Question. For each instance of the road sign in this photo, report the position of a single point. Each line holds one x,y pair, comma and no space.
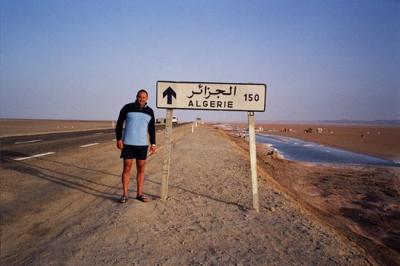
211,96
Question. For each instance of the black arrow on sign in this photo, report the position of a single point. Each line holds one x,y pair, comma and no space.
169,92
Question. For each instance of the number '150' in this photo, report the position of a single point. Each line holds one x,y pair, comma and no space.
251,97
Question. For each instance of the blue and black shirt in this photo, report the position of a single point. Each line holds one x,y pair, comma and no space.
138,122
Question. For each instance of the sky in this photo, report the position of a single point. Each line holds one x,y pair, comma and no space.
321,60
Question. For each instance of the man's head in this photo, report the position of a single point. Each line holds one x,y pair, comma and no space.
141,98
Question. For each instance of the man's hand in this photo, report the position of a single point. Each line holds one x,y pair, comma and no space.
153,149
120,144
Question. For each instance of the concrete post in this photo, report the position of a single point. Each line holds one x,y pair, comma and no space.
253,160
167,155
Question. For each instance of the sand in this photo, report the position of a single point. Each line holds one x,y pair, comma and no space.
20,127
73,217
377,140
360,202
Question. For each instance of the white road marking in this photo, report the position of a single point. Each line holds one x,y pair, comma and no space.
114,140
88,145
28,141
34,156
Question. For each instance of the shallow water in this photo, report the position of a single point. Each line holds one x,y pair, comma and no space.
299,150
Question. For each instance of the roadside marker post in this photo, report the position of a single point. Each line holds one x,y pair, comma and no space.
249,97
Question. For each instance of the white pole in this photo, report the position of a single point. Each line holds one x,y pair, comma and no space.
253,160
167,155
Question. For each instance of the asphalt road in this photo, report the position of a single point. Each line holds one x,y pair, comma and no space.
24,147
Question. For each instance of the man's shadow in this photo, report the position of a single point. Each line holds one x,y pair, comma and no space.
63,179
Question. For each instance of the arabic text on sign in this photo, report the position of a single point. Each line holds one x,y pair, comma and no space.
207,92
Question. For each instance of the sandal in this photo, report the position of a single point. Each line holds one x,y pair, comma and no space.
142,198
123,199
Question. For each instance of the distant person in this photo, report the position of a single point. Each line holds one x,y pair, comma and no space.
139,120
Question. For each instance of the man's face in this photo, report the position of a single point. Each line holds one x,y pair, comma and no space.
142,99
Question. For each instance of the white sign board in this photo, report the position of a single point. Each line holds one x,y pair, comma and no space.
211,96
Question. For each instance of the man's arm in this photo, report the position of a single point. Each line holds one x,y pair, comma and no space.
152,134
119,127
152,129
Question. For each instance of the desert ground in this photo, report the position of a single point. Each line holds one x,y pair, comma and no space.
19,127
376,140
361,202
63,210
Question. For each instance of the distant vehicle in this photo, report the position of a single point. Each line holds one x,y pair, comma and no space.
199,120
174,121
164,121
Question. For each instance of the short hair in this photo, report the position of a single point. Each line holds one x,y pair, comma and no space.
140,91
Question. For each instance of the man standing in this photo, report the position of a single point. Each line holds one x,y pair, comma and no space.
139,120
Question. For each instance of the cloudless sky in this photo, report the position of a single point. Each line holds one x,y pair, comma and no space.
85,59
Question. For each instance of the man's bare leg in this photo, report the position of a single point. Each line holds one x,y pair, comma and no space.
140,165
126,174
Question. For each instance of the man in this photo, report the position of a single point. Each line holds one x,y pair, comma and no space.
139,120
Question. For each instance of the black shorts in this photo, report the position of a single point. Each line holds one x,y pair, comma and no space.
134,152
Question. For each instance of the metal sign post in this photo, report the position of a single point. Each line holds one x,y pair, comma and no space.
253,159
167,155
248,97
